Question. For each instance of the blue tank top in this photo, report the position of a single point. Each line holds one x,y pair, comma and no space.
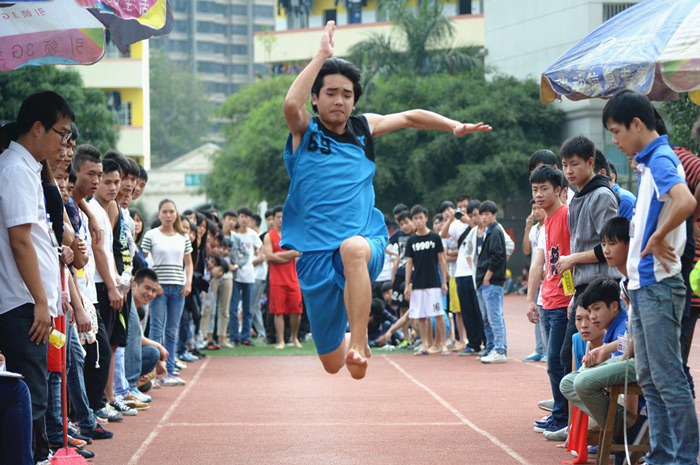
331,196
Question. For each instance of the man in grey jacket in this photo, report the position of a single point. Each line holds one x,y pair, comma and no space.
589,210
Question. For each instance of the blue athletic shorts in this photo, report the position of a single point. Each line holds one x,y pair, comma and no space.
322,282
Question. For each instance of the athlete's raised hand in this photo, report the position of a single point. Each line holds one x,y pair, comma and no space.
468,128
326,48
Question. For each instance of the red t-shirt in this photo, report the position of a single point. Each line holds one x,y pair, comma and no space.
557,243
282,274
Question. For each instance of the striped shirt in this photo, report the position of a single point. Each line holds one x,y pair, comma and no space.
168,254
691,166
659,171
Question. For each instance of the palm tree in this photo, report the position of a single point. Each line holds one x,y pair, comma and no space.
424,45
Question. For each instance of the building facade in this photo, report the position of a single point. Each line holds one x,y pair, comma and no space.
214,38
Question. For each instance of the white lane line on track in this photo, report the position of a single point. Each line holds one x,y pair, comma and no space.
535,364
319,425
463,420
144,445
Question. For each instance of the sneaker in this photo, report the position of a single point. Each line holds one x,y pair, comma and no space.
546,405
72,432
99,433
494,357
534,357
541,427
72,443
543,359
229,344
467,352
109,413
248,343
179,365
197,353
173,380
86,454
187,357
483,353
559,436
122,408
132,402
212,346
141,397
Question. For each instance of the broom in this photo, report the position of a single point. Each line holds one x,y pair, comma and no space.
65,455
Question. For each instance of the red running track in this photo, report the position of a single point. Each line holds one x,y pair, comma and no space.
408,410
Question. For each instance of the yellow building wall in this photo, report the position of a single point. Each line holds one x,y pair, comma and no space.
137,50
135,97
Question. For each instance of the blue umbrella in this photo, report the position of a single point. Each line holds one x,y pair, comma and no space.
652,47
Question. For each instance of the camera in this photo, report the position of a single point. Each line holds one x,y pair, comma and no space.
459,213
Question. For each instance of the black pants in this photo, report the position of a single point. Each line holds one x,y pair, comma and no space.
566,348
96,370
687,331
471,314
26,357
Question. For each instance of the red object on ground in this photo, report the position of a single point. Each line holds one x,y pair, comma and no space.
578,437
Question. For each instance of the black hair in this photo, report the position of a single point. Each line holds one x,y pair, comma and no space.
109,165
660,124
257,219
532,202
226,243
543,157
461,197
211,227
85,153
143,174
437,217
145,273
268,213
72,177
473,205
613,169
627,105
8,133
580,146
134,212
417,209
377,308
601,290
277,209
579,301
398,208
445,205
228,213
245,211
403,215
386,286
546,173
121,161
616,229
74,133
601,163
46,107
133,167
488,206
335,65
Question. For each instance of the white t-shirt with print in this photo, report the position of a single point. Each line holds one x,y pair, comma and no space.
251,240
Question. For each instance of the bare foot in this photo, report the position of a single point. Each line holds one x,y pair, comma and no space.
280,346
296,343
356,363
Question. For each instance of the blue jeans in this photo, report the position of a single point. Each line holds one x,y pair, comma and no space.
132,354
120,384
54,418
241,292
76,382
656,322
555,322
166,311
491,304
186,333
149,359
15,423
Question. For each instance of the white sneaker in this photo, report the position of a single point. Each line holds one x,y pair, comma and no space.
559,436
494,357
122,408
173,380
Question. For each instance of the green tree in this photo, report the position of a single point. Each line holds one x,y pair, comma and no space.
180,109
97,124
249,168
680,115
422,45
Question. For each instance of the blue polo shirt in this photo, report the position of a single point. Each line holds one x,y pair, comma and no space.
659,171
617,328
627,201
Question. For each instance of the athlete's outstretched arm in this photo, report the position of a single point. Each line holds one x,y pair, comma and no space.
295,103
420,119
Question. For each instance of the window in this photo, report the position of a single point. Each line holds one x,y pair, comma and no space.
239,29
211,7
217,87
208,27
263,11
611,9
239,69
239,49
124,114
239,10
180,5
211,47
178,46
211,67
182,26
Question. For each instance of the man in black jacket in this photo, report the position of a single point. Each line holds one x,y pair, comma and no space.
490,278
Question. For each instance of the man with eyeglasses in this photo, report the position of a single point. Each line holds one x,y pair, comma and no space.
29,262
